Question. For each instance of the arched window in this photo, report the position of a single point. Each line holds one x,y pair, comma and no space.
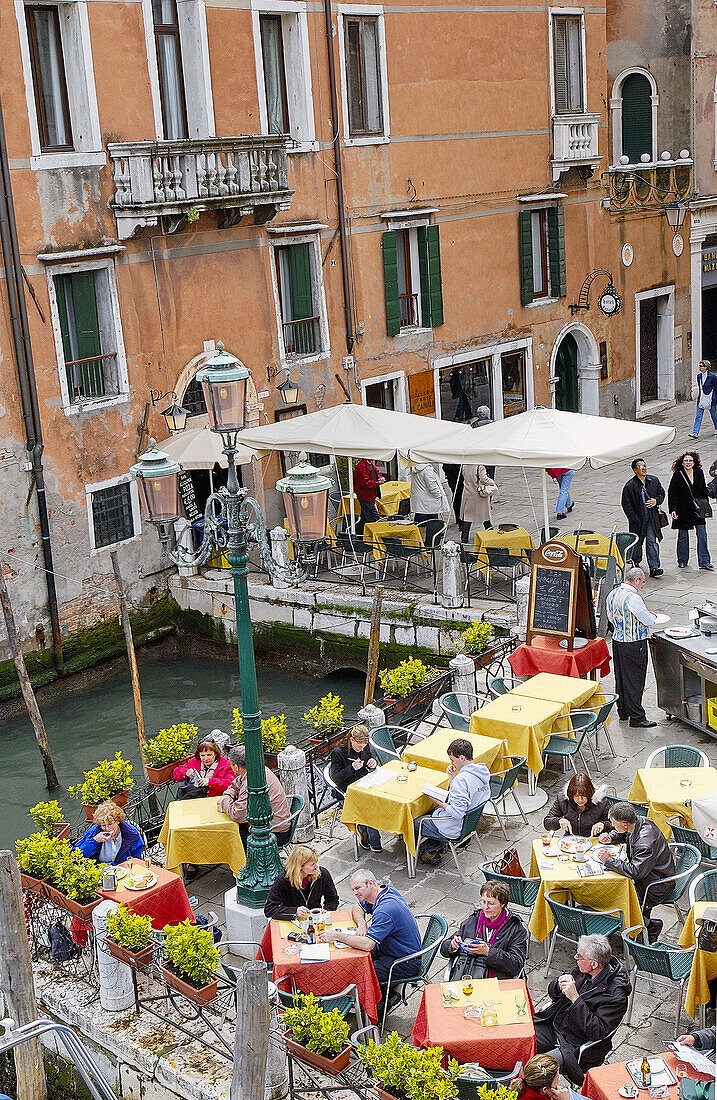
193,400
636,117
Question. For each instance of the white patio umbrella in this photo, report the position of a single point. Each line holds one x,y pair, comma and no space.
546,438
353,431
200,448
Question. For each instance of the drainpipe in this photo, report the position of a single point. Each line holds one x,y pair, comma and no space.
336,142
26,379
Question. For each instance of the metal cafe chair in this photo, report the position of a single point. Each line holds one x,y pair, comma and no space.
661,963
677,756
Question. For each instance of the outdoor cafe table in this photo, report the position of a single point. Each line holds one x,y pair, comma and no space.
392,806
346,966
467,1040
516,542
196,831
407,533
661,789
603,1082
392,493
704,964
432,751
571,691
547,655
600,892
166,902
524,730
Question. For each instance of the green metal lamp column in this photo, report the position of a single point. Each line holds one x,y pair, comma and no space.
262,855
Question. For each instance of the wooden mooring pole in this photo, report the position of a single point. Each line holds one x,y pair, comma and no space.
251,1036
131,657
374,639
16,980
26,687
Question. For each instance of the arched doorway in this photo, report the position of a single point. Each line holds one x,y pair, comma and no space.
566,372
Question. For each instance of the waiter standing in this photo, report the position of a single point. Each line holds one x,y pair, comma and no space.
630,619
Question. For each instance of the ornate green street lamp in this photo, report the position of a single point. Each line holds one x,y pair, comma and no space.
233,523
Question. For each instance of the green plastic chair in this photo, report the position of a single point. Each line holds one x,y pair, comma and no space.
383,745
678,756
295,808
602,713
704,888
450,704
522,891
502,783
468,831
572,922
347,1000
583,722
501,685
434,935
687,860
468,1086
690,836
662,963
639,807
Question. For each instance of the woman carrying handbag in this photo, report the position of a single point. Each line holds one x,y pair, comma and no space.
689,507
475,502
706,396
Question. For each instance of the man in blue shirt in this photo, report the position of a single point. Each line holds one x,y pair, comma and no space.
392,932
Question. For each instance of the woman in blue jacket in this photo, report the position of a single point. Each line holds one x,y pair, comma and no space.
111,839
706,396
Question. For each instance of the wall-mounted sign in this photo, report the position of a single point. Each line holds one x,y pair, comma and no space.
422,393
610,301
709,267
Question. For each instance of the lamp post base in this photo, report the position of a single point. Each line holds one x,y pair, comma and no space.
245,925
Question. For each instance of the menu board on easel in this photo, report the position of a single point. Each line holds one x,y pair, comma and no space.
558,603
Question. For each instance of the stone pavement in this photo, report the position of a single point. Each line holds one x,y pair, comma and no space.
597,497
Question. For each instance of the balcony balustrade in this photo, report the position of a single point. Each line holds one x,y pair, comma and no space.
173,180
575,143
649,183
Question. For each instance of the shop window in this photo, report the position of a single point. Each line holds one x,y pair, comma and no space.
541,235
512,369
464,389
412,278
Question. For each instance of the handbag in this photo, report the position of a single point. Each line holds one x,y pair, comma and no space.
703,508
707,937
663,518
704,400
509,864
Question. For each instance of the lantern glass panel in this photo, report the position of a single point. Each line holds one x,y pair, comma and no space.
159,497
306,514
226,404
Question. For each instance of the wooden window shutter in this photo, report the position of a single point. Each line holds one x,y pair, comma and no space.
560,65
60,283
429,262
84,300
390,283
525,246
636,117
302,304
556,251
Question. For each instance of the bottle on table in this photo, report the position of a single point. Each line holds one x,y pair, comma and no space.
311,930
646,1073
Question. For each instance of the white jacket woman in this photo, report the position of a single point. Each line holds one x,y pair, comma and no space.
428,497
475,503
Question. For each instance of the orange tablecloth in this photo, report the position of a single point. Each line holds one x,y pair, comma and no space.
467,1040
603,1082
346,966
166,902
547,655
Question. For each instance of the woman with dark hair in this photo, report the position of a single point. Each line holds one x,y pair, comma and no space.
689,507
491,942
579,809
206,774
349,762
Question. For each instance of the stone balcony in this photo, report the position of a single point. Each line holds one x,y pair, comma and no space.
575,143
171,182
649,183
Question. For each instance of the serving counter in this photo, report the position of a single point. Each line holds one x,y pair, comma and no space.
686,674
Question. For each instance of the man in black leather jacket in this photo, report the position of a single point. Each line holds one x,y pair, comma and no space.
586,1006
642,496
649,859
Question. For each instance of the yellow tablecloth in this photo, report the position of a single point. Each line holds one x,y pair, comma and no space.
194,831
393,806
601,892
704,964
392,493
432,752
571,691
524,731
595,546
513,541
660,788
375,533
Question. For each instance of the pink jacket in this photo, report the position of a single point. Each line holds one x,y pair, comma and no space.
222,778
233,801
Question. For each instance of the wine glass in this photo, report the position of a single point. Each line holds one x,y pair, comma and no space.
521,1004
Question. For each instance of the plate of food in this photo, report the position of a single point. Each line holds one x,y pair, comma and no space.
121,873
679,632
573,844
140,882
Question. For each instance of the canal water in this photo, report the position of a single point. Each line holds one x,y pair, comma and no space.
87,726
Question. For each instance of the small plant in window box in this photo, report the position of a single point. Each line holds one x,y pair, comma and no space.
190,959
110,779
35,854
48,816
167,749
402,1072
273,735
129,937
476,641
317,1037
326,720
399,682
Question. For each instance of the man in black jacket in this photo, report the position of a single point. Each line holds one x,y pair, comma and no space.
641,497
586,1006
649,859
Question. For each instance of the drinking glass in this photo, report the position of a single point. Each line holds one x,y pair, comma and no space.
521,1004
467,989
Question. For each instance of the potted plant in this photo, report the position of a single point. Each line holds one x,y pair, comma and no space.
400,682
35,853
326,720
110,779
190,959
317,1037
129,937
273,735
475,639
73,881
167,749
48,816
402,1072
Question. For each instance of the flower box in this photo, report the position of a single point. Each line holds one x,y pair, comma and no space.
82,912
327,741
33,885
198,995
136,959
158,776
118,799
61,830
330,1065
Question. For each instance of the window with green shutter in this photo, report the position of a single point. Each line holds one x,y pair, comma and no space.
91,369
390,283
636,117
429,258
300,320
541,254
525,252
412,278
556,251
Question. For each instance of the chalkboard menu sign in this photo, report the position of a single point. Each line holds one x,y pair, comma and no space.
188,496
555,579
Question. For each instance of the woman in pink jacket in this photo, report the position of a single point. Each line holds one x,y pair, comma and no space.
206,774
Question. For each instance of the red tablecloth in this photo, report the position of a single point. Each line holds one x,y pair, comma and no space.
547,655
166,902
603,1082
346,966
467,1040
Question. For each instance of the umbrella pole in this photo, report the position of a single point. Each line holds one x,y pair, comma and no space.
546,517
351,494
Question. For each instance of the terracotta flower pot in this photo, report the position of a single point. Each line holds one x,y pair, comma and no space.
197,994
330,1065
61,830
118,799
33,885
136,959
158,776
82,912
385,1095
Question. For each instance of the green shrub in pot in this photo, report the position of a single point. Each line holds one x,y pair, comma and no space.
128,929
399,682
475,638
46,815
171,745
323,1032
190,952
327,715
273,730
409,1073
107,778
38,853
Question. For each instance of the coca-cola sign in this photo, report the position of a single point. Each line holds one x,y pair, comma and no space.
555,553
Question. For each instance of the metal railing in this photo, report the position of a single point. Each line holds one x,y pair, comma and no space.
408,311
301,337
96,376
97,1084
